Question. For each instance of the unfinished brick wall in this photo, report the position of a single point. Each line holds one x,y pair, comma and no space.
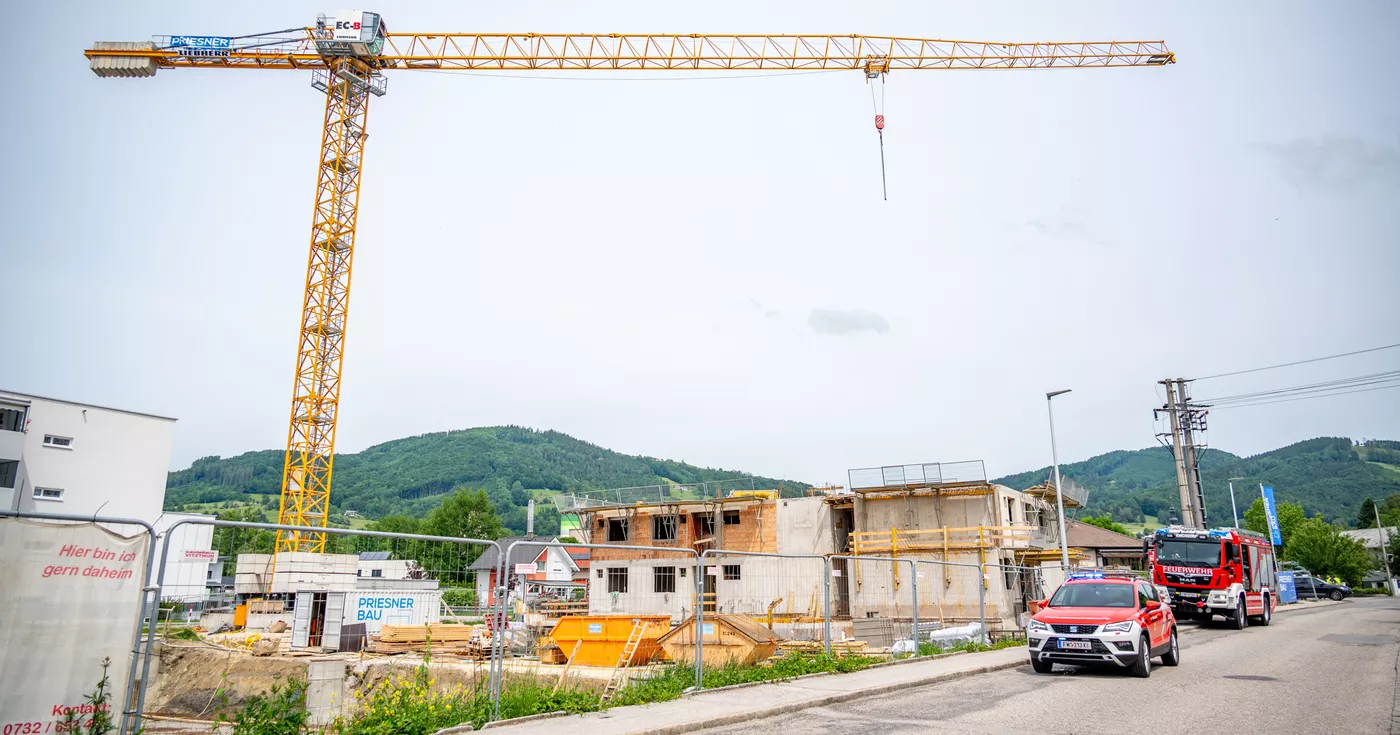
757,529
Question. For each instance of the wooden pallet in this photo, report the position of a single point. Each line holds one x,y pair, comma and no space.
436,632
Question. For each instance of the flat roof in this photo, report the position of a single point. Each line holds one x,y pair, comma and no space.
4,393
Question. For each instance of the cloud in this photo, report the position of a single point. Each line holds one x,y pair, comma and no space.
1336,163
1058,227
767,313
835,322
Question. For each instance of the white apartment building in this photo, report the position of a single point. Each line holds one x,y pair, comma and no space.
66,457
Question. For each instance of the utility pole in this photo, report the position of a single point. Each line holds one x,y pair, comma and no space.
1059,492
1188,515
1190,420
1380,529
1233,510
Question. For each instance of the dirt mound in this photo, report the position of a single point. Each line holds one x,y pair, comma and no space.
190,678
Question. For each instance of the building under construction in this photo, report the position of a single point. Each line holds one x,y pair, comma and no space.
926,512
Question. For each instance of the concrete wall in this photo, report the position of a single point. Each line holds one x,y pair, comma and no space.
947,593
804,526
117,461
795,584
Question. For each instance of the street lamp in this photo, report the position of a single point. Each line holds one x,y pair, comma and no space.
1059,496
1236,513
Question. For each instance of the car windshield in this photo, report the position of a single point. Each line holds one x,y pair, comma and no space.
1189,553
1095,594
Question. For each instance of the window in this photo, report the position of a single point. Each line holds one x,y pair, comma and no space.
48,493
62,442
1145,593
731,572
1093,594
617,529
617,580
731,518
704,525
663,528
376,572
682,572
11,419
1010,511
663,579
600,572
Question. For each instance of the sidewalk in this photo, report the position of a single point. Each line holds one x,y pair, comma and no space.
742,704
1306,605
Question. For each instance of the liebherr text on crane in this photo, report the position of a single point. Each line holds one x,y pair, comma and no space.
348,52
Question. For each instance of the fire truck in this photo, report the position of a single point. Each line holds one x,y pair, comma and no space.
1221,571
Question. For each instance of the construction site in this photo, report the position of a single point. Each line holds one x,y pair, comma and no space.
901,561
929,555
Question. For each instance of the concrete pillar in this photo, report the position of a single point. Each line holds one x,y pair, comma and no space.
325,690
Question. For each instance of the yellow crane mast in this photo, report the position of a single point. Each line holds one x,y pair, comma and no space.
347,54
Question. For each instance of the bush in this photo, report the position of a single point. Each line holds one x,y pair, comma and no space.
410,706
1370,591
459,597
281,711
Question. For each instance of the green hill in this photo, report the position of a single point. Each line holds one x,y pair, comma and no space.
409,476
1327,475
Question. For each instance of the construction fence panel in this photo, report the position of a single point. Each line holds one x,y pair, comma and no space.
369,591
1011,591
756,603
951,602
635,595
877,595
74,600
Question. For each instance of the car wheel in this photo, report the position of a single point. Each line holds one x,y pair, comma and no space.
1239,620
1173,655
1336,595
1041,667
1142,668
1268,615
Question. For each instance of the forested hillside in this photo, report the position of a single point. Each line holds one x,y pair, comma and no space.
1327,475
409,476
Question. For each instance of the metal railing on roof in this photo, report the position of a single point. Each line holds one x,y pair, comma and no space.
670,493
917,475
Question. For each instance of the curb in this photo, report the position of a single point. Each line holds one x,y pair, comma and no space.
1300,605
741,717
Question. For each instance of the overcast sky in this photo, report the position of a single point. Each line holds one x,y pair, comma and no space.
704,269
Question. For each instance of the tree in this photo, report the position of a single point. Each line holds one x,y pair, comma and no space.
465,514
1290,516
1107,523
1323,550
396,524
1366,517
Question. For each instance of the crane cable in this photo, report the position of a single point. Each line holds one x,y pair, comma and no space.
880,129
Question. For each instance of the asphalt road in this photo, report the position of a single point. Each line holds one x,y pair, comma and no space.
1330,670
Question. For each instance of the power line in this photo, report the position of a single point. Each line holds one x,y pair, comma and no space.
1304,398
1300,362
1310,387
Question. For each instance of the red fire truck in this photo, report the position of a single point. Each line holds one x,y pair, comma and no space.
1221,571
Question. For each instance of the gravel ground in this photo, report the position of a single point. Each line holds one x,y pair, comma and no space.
1330,670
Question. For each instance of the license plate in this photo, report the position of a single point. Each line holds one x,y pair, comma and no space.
1076,645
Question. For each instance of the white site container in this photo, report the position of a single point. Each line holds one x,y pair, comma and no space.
375,608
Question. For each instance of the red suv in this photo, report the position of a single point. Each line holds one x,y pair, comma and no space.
1096,618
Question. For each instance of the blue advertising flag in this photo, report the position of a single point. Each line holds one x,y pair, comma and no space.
1287,589
1271,512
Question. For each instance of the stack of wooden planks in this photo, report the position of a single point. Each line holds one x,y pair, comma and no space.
467,641
838,648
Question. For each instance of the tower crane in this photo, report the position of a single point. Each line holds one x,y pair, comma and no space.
348,55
